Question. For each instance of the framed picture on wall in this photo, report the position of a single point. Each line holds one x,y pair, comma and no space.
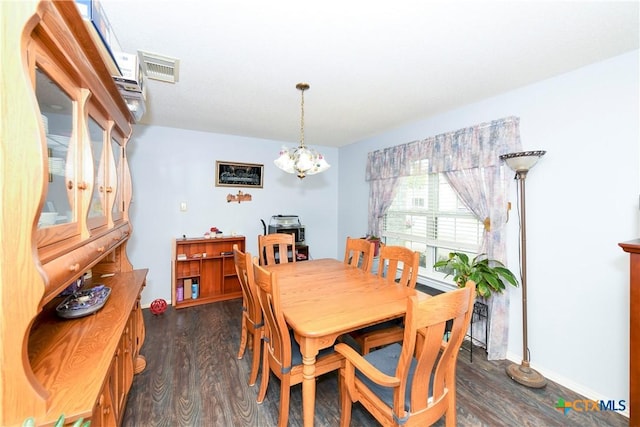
233,174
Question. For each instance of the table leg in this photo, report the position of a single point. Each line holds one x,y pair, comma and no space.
309,350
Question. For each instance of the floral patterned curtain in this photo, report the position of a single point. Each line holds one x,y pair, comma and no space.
381,194
470,159
484,191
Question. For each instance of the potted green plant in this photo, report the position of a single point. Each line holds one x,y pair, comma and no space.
488,274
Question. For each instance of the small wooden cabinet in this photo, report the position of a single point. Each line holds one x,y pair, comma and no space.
208,263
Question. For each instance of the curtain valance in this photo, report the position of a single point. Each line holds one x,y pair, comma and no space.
467,148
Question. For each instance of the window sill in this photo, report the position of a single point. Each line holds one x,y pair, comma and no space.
440,285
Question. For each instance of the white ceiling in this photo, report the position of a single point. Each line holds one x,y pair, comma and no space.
371,65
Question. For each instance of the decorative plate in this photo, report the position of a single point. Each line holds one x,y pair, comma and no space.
84,302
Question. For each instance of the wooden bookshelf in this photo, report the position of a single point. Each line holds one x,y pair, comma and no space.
209,263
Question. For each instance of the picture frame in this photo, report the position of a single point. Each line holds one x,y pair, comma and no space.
235,174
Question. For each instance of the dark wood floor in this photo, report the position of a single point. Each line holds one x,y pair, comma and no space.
193,378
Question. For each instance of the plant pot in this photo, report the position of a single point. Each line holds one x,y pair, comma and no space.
376,246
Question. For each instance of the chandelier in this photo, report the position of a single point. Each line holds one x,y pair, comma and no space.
302,161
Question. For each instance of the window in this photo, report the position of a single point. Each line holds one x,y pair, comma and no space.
427,216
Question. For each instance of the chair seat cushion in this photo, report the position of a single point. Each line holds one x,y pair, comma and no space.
296,354
350,338
393,323
385,360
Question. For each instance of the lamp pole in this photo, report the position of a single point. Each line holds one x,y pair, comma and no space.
521,163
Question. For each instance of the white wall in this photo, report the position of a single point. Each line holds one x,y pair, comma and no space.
170,166
582,200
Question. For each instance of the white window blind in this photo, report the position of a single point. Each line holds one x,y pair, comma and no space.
427,216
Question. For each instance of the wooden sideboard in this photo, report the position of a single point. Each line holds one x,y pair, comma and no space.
66,191
87,364
633,248
209,263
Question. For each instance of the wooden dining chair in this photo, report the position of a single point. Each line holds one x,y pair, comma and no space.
252,323
281,352
359,253
413,383
276,243
400,265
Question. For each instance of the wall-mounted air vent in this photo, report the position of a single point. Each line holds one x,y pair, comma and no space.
160,67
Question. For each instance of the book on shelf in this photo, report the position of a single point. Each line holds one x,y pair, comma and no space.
187,288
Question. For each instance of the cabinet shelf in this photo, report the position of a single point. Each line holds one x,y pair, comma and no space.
187,276
212,267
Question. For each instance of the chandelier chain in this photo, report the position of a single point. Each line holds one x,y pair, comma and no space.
302,118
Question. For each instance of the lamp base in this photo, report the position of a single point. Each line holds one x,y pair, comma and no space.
526,376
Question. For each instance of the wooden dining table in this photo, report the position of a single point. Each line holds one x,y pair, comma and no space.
325,298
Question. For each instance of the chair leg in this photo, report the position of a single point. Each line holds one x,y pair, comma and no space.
285,393
256,358
266,371
345,402
243,337
450,414
365,347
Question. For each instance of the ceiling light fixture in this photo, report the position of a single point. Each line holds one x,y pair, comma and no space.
302,161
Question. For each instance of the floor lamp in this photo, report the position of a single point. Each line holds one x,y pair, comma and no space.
521,163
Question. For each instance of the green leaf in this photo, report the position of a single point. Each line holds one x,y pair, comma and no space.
60,422
482,290
463,257
441,263
494,282
507,275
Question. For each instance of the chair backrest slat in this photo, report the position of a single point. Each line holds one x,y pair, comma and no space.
274,248
395,258
359,253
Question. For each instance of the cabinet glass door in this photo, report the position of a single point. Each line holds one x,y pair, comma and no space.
115,180
56,108
97,212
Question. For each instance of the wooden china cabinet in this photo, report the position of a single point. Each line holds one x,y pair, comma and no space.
65,191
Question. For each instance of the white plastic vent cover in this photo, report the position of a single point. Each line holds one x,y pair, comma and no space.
159,67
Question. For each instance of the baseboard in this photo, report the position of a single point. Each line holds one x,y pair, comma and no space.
568,383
